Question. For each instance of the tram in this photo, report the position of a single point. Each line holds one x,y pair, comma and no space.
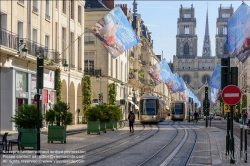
152,109
178,110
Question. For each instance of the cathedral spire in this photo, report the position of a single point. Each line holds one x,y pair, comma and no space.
206,43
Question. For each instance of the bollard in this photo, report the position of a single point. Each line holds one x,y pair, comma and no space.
246,143
241,138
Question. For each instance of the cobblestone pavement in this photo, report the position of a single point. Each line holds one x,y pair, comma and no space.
217,139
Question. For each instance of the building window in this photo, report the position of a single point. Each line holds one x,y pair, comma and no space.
47,15
72,50
225,49
64,43
20,29
46,42
64,6
79,14
186,29
224,30
35,6
3,21
186,49
205,79
72,9
79,53
35,35
89,63
89,37
21,1
186,78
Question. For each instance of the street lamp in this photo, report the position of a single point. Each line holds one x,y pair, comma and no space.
65,65
24,50
97,78
133,99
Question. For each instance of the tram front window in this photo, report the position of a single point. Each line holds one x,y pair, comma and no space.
149,107
177,109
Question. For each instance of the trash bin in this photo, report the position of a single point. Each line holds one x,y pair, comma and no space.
240,121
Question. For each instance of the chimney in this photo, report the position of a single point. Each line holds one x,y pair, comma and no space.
109,3
124,8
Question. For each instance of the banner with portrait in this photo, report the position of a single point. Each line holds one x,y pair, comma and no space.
160,72
238,33
176,84
115,32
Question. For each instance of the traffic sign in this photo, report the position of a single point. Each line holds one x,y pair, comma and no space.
231,94
226,108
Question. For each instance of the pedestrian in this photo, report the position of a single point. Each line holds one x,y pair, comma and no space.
245,118
196,116
131,119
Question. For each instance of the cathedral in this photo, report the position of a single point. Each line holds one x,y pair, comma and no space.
196,70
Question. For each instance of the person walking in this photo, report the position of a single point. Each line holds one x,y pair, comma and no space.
131,118
244,118
196,116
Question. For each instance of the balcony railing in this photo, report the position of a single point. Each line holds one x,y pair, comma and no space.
92,72
9,39
35,49
131,76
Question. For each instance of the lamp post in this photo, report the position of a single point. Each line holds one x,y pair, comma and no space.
133,100
100,94
78,111
39,85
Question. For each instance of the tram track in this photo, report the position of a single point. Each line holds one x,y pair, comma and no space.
122,147
179,155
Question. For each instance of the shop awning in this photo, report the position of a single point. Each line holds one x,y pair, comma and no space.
136,106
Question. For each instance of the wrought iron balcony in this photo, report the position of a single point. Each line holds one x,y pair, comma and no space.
9,39
37,49
92,72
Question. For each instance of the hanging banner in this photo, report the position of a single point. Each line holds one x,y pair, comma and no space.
160,72
238,33
115,32
215,80
176,85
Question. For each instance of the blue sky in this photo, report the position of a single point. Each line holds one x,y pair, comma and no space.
161,19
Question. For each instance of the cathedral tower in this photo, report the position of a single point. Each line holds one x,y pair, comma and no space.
186,38
224,13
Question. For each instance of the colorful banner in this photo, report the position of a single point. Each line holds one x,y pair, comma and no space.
160,72
238,33
215,80
177,84
115,32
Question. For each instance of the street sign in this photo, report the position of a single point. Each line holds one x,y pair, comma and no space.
226,108
231,94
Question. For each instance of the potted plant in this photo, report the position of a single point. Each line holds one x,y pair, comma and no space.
105,118
92,116
26,122
59,116
116,113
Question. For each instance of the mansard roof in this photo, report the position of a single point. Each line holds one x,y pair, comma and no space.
92,5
